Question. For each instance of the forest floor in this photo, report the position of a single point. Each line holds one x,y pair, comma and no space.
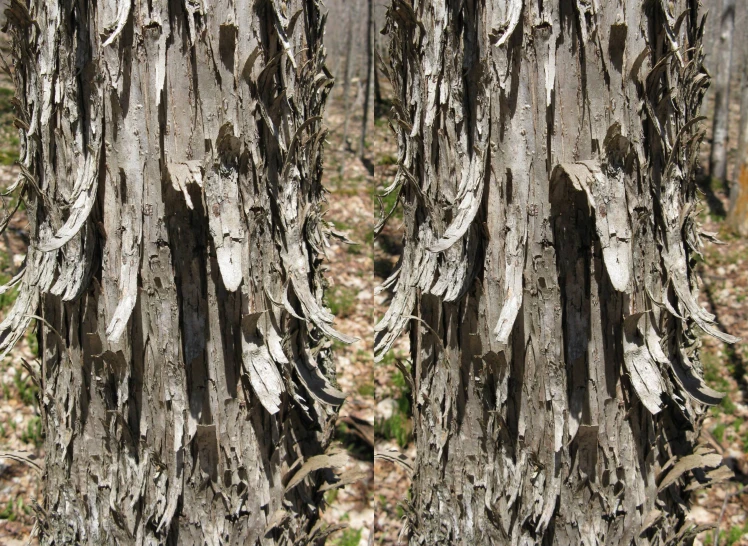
724,292
349,181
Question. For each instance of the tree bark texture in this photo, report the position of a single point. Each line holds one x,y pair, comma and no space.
171,158
547,153
718,156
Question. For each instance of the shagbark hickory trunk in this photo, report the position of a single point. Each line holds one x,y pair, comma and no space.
546,172
171,159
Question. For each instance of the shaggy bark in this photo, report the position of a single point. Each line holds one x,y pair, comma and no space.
718,157
171,159
546,172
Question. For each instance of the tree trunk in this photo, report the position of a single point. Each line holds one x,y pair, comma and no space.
347,76
547,155
368,115
375,45
738,215
171,163
377,86
718,157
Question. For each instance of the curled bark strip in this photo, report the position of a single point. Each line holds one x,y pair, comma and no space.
417,270
693,383
314,312
12,282
649,520
263,374
513,281
260,366
277,520
395,457
702,457
346,478
273,342
500,35
183,174
317,385
76,265
22,457
644,373
675,265
226,225
686,376
37,278
334,459
85,198
123,13
713,477
607,199
469,200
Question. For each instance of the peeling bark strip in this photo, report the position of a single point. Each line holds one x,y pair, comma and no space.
550,232
171,159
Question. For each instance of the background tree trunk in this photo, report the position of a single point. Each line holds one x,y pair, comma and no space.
546,169
368,115
347,76
171,163
718,157
738,214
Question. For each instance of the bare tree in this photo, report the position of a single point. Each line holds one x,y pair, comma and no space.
547,156
738,215
171,168
718,157
347,75
368,113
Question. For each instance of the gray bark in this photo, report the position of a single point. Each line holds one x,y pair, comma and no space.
171,158
368,114
347,76
547,154
718,157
